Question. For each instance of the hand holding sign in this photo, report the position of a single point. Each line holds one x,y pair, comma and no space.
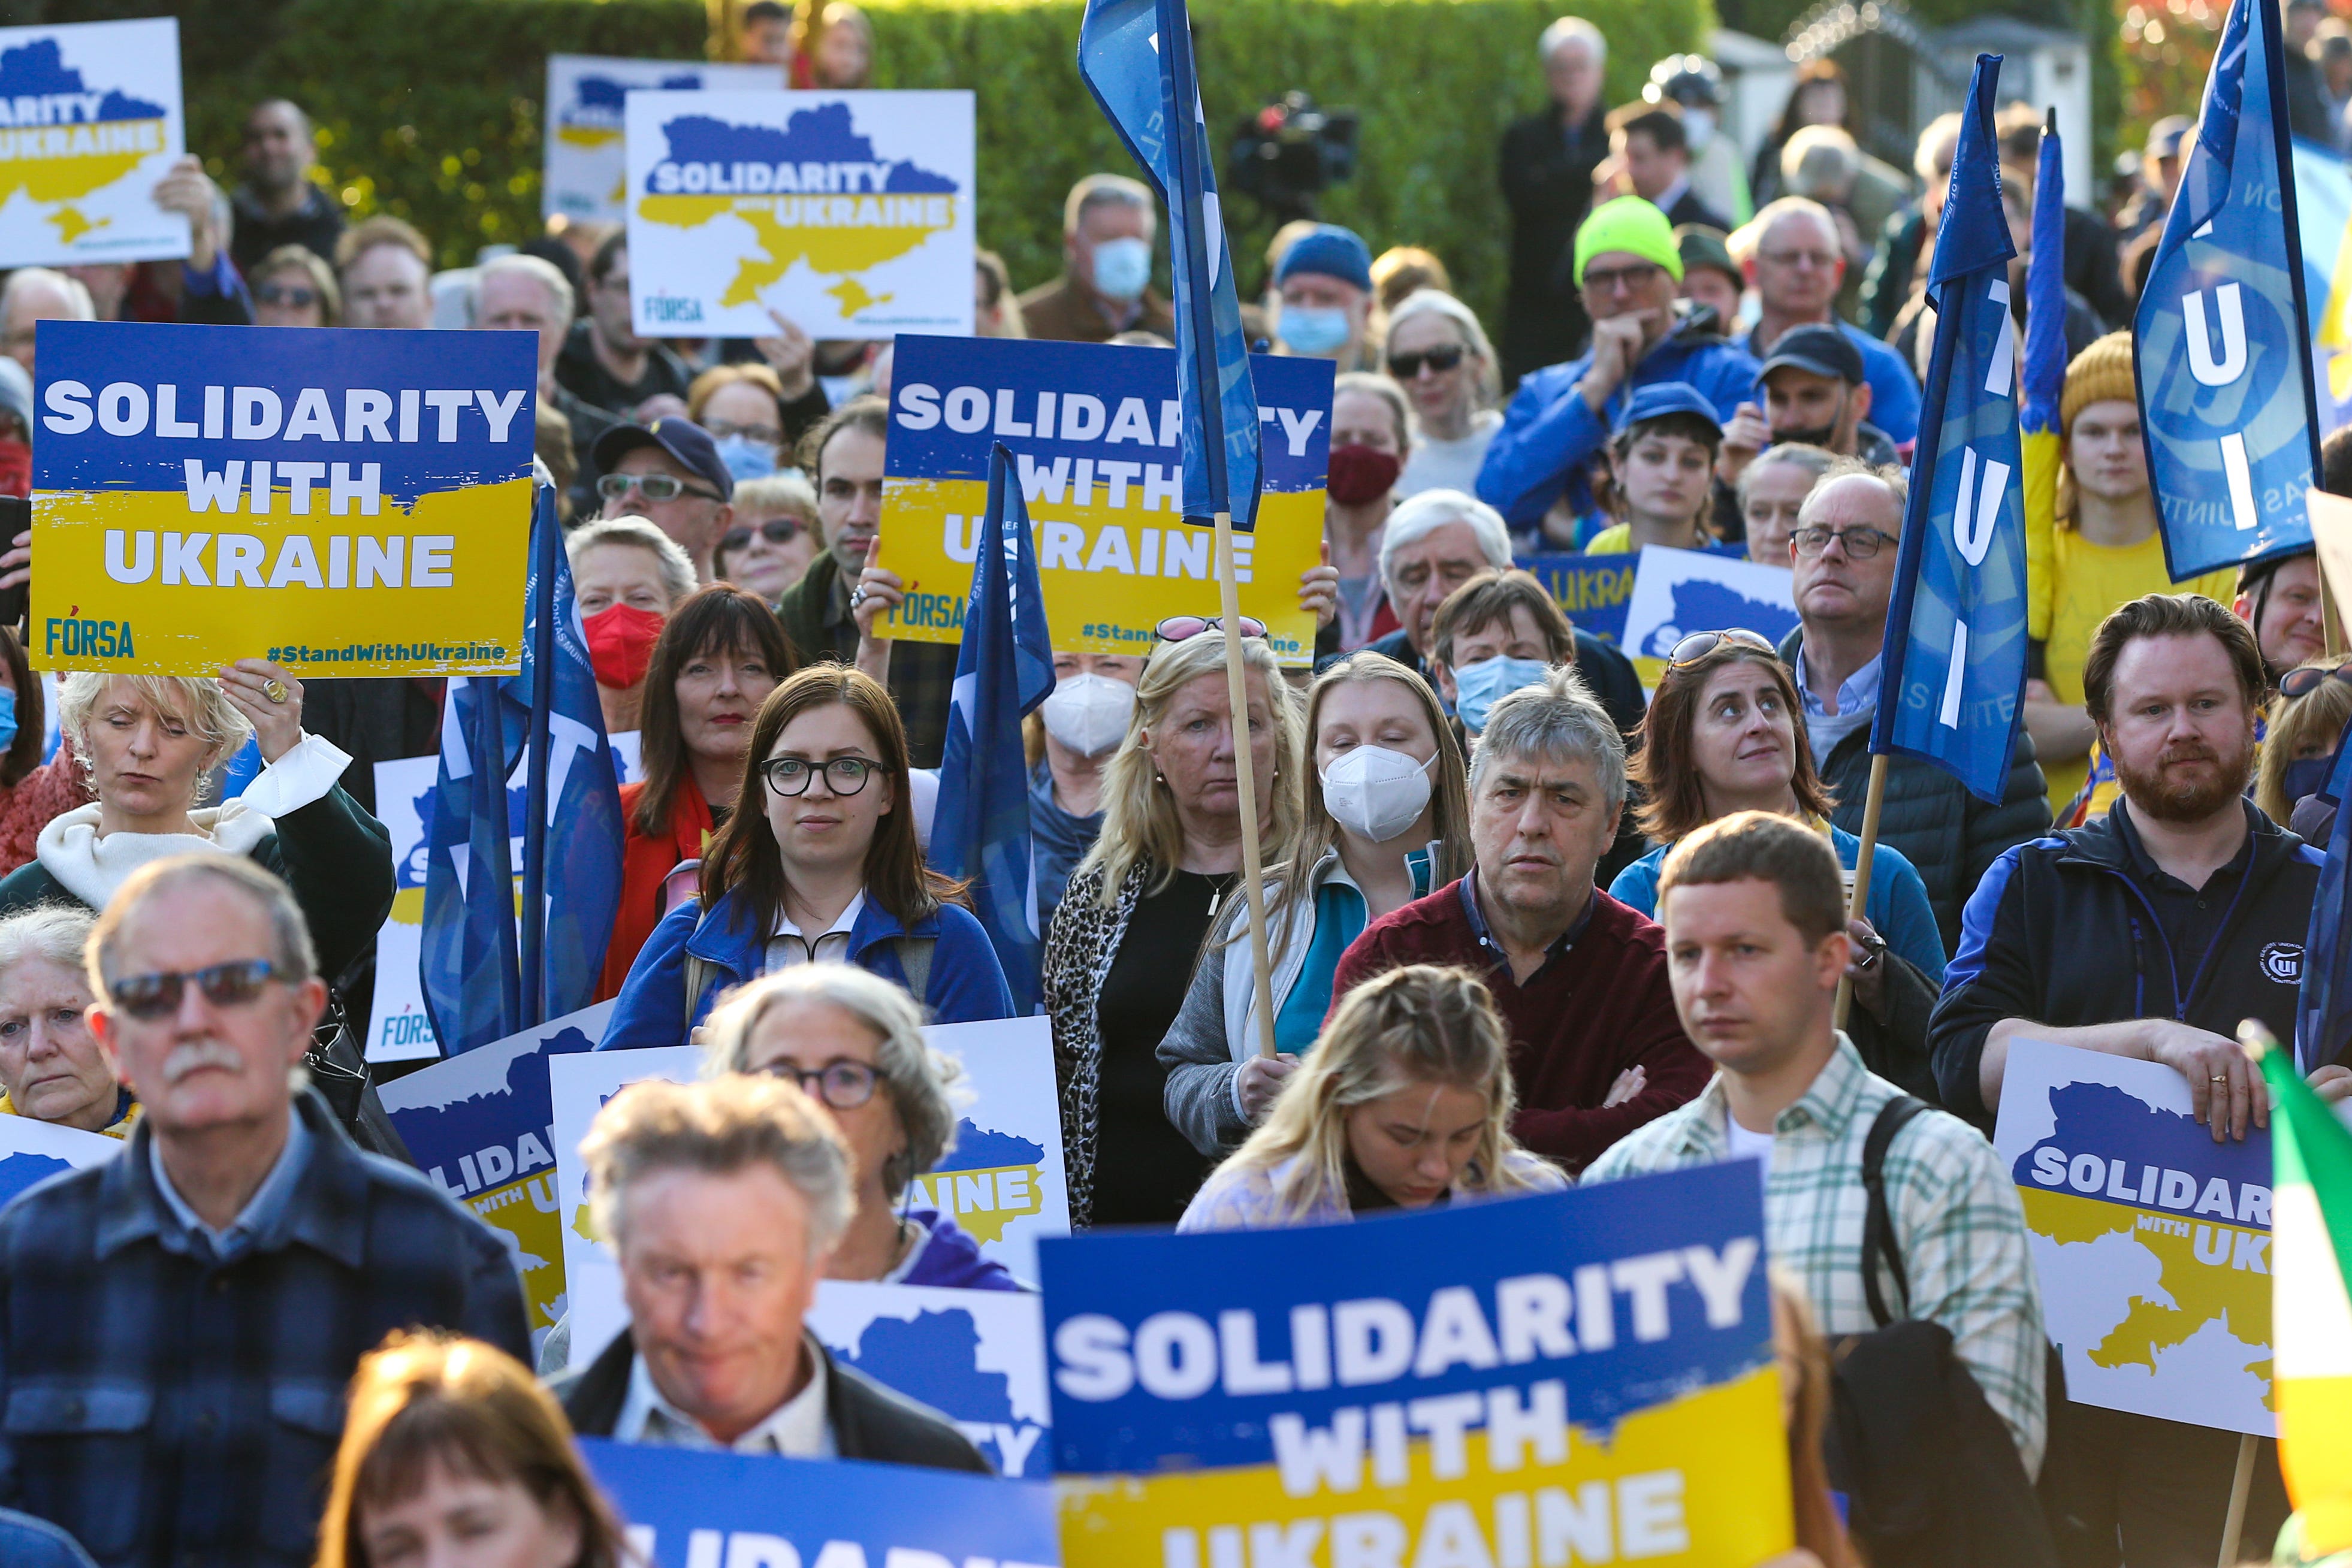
271,698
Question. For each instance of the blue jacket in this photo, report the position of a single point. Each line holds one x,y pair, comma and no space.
952,1259
966,981
1548,435
1894,390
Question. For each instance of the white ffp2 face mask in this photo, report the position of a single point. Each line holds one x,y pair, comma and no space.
1376,793
1089,713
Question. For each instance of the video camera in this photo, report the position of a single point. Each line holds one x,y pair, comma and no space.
1289,151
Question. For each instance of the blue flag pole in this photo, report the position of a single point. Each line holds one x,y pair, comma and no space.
541,619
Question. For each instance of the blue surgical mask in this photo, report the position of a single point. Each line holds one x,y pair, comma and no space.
1122,267
1312,328
1480,686
746,458
7,718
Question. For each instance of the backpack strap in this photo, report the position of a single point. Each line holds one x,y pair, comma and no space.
699,974
915,958
1878,1243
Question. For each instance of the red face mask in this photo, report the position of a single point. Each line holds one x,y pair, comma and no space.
16,469
621,643
1361,474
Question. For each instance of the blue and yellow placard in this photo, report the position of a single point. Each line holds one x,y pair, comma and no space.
1582,1377
342,503
1093,431
89,122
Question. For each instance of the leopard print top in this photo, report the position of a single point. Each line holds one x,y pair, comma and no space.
1080,946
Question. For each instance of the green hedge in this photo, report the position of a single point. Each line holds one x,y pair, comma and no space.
430,109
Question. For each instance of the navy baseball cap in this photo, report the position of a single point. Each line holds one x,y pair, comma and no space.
681,438
1332,251
1662,398
1821,350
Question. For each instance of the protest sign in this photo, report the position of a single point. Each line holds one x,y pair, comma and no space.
89,122
584,174
1610,1346
689,1508
1002,1181
977,1357
1678,592
33,1151
399,1028
849,212
1093,431
2151,1241
1593,590
478,1125
340,503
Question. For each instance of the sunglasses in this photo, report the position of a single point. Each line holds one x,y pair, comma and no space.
1405,367
2303,680
1184,628
657,487
775,530
790,776
231,984
1700,645
285,294
843,1085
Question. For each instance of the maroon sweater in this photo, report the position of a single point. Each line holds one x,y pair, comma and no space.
1585,1016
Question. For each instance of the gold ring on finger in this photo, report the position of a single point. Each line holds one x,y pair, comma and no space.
275,691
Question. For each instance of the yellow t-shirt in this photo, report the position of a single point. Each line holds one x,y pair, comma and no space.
1616,539
2089,583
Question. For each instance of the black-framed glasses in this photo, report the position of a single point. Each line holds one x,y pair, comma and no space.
1859,544
655,486
1700,645
1640,275
292,293
2304,679
843,775
841,1083
775,530
765,435
1405,367
1184,628
229,985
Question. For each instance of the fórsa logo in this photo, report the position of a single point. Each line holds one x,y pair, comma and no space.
673,307
78,638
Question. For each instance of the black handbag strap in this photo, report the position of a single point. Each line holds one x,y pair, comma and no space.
1878,1243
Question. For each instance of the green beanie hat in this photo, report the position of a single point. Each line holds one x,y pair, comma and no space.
1630,224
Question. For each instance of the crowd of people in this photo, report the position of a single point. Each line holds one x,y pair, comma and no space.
1528,925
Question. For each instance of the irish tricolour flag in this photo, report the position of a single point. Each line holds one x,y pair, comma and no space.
2311,1305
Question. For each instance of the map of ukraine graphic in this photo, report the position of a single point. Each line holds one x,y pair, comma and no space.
37,69
822,135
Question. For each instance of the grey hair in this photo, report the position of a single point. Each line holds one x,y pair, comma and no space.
294,959
539,270
1775,213
1372,383
1938,144
76,293
677,573
1898,483
921,1081
1813,460
719,1128
1577,29
1423,515
59,933
1820,158
198,700
1437,302
772,495
1557,718
1106,190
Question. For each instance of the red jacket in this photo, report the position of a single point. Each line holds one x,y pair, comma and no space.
644,862
1585,1016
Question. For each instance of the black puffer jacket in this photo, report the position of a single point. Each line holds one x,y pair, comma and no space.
1951,836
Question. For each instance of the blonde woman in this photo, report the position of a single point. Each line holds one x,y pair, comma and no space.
1406,1103
2300,734
1138,908
1386,818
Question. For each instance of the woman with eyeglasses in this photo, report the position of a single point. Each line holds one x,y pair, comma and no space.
855,1043
1386,817
1120,951
293,287
627,577
1725,733
752,413
713,666
773,537
1439,354
826,867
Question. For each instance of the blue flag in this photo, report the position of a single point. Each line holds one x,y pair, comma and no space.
1004,670
2323,1007
2220,346
1137,58
508,744
1954,663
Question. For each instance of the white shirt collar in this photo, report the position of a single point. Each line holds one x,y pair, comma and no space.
797,1428
787,927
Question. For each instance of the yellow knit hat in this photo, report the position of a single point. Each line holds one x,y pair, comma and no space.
2100,373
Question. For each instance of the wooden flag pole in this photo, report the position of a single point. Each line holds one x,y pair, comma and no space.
1858,900
1246,776
2234,1526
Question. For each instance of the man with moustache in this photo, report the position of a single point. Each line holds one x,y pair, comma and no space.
2148,933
